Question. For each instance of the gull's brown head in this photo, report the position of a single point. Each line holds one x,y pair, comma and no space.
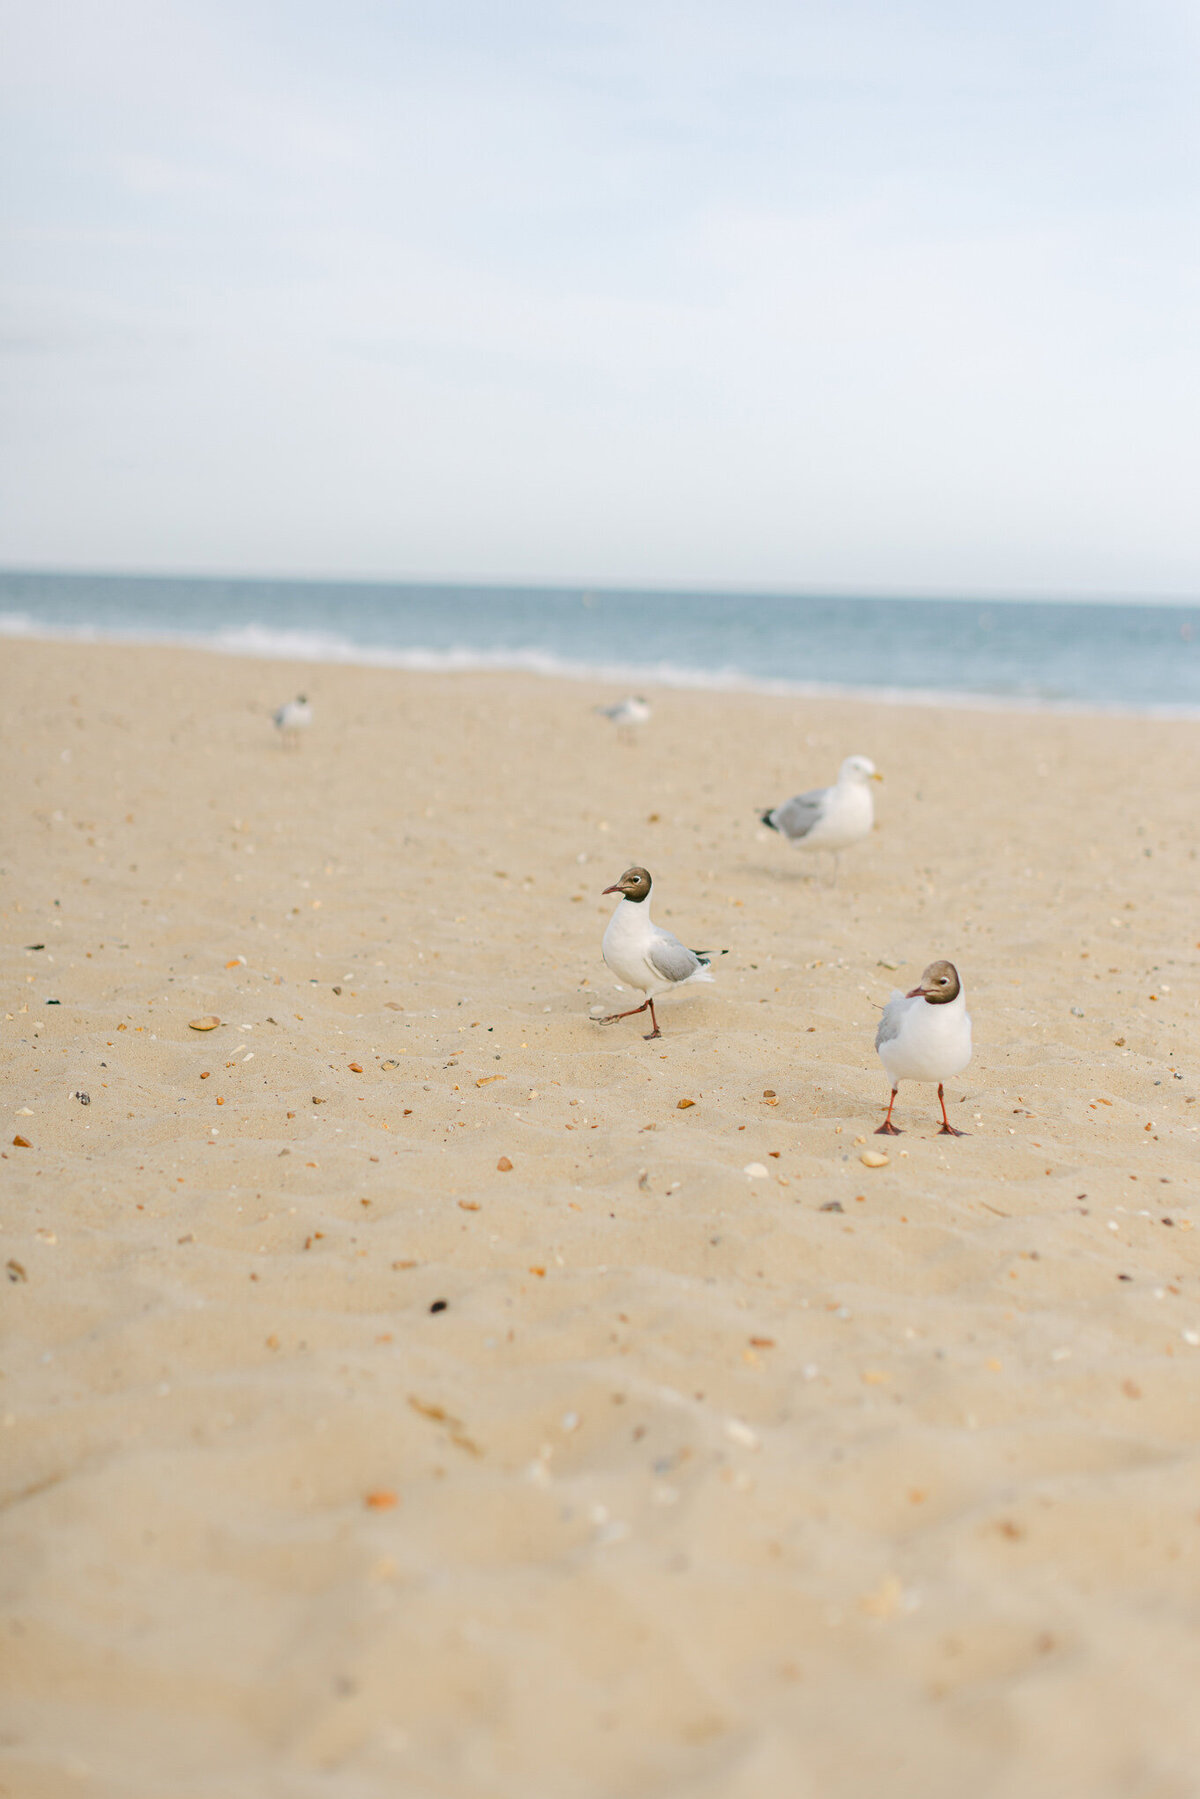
939,984
634,884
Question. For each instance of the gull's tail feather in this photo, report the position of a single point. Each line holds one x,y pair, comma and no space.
703,973
705,954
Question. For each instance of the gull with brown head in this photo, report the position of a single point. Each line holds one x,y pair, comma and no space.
925,1035
644,956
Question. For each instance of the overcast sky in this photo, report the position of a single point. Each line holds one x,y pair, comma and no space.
892,297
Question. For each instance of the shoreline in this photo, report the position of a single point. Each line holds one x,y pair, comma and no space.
311,649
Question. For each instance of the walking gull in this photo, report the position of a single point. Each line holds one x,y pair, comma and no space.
644,956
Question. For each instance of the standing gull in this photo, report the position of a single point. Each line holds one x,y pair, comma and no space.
830,818
633,710
643,955
292,718
925,1035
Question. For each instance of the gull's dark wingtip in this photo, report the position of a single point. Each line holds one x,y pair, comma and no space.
769,821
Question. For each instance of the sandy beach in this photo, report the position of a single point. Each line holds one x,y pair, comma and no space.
412,1390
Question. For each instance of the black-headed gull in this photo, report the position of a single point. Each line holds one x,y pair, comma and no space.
830,818
292,718
925,1035
644,956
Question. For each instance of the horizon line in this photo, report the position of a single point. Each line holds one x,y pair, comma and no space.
672,588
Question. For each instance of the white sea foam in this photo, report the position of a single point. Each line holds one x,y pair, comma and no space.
20,624
271,643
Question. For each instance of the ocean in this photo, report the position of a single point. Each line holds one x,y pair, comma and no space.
1142,658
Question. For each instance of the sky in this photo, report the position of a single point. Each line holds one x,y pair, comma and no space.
847,296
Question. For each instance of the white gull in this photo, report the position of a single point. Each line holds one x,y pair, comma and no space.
644,956
925,1035
293,717
830,818
632,710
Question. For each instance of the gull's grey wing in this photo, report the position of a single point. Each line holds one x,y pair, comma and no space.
892,1019
672,959
797,816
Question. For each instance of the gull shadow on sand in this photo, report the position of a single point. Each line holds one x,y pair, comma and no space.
788,877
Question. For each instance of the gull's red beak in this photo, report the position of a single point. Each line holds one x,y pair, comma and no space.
917,993
612,890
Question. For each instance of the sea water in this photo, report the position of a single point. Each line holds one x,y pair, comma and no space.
1144,658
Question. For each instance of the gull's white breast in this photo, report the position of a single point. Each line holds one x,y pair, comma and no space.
933,1043
848,815
626,947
